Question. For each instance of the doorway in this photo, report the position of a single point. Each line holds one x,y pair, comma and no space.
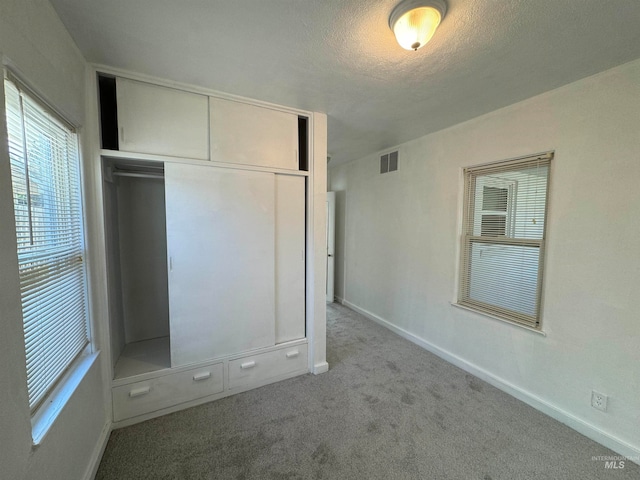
331,242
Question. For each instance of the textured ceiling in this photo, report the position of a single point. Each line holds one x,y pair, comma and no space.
339,56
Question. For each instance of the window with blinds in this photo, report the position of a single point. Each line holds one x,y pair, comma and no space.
503,235
45,174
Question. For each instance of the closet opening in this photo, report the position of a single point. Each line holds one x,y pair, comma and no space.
136,241
108,112
303,144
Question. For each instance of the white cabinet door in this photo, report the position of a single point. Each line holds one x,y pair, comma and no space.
220,240
252,135
290,258
162,121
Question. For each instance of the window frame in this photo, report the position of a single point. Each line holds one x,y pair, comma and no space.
469,212
57,393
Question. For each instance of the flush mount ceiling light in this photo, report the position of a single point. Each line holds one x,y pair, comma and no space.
415,21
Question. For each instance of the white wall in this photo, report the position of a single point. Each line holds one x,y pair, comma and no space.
34,41
397,251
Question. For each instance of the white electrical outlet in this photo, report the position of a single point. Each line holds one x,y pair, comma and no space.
599,401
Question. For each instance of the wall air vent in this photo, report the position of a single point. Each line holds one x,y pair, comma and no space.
389,162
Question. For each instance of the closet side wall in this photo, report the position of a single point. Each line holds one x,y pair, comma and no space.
143,258
114,275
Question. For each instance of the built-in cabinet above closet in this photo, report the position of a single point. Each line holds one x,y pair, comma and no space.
253,135
140,117
162,121
206,203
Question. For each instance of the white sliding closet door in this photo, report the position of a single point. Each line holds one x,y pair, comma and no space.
221,243
290,257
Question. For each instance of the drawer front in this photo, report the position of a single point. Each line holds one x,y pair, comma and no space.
256,368
162,392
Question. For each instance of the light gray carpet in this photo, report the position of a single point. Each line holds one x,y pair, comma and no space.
386,409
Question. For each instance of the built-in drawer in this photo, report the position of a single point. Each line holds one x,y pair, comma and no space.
162,392
257,368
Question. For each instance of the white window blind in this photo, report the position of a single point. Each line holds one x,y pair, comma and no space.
45,174
503,238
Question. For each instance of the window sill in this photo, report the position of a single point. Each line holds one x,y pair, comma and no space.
45,416
495,317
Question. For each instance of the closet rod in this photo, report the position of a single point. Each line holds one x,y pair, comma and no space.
138,175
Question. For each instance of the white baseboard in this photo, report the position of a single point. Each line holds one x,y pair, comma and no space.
339,300
319,368
98,451
585,428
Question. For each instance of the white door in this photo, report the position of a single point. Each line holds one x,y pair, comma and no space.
220,242
331,243
290,258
